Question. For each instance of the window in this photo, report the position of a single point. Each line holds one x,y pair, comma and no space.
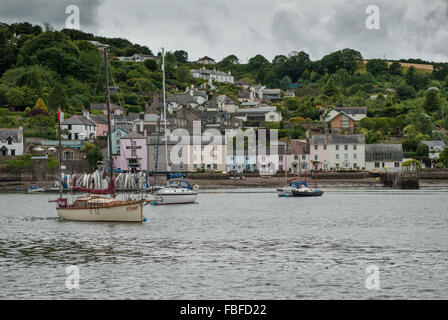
355,156
337,147
133,154
355,147
9,141
303,157
346,164
215,166
397,164
345,121
355,165
325,147
337,156
377,164
296,157
337,165
315,157
316,147
383,165
346,147
13,152
346,156
69,127
280,158
195,166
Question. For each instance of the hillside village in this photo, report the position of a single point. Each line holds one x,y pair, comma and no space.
340,113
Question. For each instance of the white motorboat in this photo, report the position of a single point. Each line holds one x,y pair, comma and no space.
176,194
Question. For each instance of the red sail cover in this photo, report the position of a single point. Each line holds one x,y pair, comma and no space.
110,189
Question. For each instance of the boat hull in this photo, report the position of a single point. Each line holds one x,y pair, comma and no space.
285,192
307,194
122,213
173,198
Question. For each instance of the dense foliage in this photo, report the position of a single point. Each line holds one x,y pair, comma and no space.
42,70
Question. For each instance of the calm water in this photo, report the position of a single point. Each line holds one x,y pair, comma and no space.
234,245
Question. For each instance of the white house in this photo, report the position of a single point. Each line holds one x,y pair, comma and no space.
357,113
435,147
382,157
241,162
11,142
80,127
212,75
176,101
200,96
140,58
346,151
264,113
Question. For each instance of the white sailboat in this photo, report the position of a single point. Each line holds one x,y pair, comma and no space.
93,207
178,192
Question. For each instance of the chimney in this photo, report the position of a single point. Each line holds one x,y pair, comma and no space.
85,113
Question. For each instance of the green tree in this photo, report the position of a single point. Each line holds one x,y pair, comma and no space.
405,92
395,68
58,98
376,66
422,150
432,101
94,155
150,64
181,56
285,82
16,96
330,88
443,157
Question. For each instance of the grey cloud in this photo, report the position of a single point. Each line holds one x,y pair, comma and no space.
217,28
51,11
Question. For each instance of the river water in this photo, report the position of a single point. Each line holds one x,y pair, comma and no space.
239,244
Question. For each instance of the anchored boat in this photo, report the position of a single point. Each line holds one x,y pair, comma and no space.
99,208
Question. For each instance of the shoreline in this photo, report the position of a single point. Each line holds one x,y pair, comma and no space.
255,183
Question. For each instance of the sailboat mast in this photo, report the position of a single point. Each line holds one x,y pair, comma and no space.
109,121
164,110
60,153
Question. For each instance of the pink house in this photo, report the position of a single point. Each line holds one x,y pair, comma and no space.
319,152
133,153
100,121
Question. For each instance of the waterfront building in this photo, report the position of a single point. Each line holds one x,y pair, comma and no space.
11,142
133,153
346,151
435,147
212,75
79,127
382,157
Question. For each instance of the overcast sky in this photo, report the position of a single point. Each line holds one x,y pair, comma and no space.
218,28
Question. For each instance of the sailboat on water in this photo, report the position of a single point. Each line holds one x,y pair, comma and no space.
176,191
99,204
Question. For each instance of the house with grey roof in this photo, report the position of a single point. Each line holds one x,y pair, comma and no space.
435,147
264,113
115,109
212,75
79,127
11,142
176,101
138,57
337,151
200,96
206,60
382,157
357,113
